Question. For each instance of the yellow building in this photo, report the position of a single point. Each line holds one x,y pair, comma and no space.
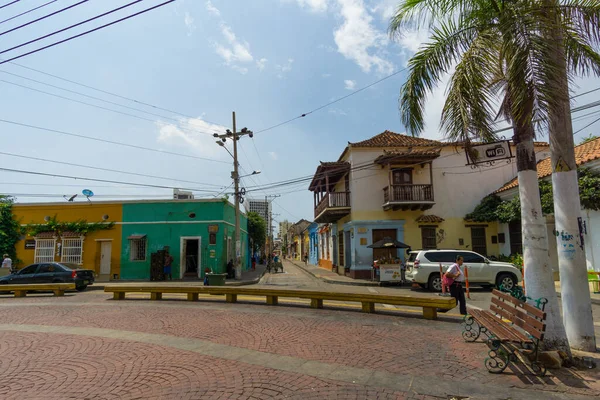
52,241
414,190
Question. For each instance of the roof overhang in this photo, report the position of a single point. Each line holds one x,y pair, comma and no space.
408,156
331,171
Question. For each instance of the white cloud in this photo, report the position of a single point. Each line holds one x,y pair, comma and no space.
233,51
386,9
189,23
192,133
359,40
327,48
212,9
337,111
350,84
283,69
261,64
325,75
273,155
313,5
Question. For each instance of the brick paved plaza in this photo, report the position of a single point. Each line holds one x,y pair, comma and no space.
88,346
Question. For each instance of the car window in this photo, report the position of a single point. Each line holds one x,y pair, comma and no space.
29,270
441,256
47,268
473,258
412,257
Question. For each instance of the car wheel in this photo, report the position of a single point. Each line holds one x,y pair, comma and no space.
507,281
81,288
435,283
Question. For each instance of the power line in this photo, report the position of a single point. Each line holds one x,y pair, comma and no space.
107,169
587,126
20,171
87,32
42,18
111,93
97,106
90,97
28,11
584,93
133,146
8,4
332,102
70,27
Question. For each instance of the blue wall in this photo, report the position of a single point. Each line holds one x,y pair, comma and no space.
362,256
313,253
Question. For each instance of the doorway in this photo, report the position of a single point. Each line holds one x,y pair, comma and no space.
105,254
478,240
379,234
190,257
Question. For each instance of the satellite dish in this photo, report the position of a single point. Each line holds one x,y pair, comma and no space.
87,193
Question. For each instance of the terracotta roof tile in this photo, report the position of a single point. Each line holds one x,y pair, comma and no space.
45,235
391,139
584,153
430,219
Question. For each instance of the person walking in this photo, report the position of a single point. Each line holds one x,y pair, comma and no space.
7,262
455,272
168,266
254,262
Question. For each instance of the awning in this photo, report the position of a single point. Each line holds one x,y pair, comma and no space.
134,237
430,219
45,235
388,243
71,234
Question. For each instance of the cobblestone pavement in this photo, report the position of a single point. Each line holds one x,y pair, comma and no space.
87,346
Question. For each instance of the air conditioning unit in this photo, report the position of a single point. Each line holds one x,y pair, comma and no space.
182,195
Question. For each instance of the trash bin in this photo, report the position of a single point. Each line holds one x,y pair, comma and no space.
216,279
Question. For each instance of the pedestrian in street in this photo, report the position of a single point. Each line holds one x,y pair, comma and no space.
7,262
254,263
305,259
403,272
168,266
230,270
456,273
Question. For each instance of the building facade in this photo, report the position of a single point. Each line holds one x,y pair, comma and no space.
313,244
587,155
262,207
415,190
199,234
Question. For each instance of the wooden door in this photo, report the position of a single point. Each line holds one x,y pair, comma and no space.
105,254
478,240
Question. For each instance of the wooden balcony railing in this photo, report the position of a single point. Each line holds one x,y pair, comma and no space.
333,200
407,194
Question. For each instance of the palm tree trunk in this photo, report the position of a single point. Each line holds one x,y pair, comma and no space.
539,281
575,293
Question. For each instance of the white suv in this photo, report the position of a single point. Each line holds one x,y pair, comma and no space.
423,267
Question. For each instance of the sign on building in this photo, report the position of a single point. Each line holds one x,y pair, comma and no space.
489,153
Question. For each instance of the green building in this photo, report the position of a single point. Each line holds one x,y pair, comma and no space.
199,234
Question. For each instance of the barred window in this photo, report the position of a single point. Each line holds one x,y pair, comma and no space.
44,250
72,250
137,249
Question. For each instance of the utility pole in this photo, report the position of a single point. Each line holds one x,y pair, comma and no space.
235,136
268,220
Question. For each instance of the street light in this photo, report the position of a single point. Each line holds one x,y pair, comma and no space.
253,173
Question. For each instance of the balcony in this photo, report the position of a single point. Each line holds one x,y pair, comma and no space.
408,197
332,207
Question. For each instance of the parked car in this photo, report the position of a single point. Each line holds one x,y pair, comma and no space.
423,267
52,273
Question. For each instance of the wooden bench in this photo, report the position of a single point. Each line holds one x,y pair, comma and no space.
430,304
21,290
514,329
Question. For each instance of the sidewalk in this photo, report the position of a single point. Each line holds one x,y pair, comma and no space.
330,276
248,278
595,297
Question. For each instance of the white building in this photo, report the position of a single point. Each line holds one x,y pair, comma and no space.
262,207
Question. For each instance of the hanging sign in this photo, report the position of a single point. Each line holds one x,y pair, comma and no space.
489,153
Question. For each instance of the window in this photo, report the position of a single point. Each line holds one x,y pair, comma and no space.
428,238
478,240
472,258
44,250
402,177
29,270
47,268
137,248
72,250
441,256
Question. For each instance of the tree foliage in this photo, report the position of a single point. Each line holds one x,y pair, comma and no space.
257,230
10,229
80,226
589,138
492,208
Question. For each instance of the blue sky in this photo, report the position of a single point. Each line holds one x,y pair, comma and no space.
268,60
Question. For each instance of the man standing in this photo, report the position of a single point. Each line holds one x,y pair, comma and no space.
168,265
7,262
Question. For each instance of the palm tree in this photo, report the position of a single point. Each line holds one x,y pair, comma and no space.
495,55
573,31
